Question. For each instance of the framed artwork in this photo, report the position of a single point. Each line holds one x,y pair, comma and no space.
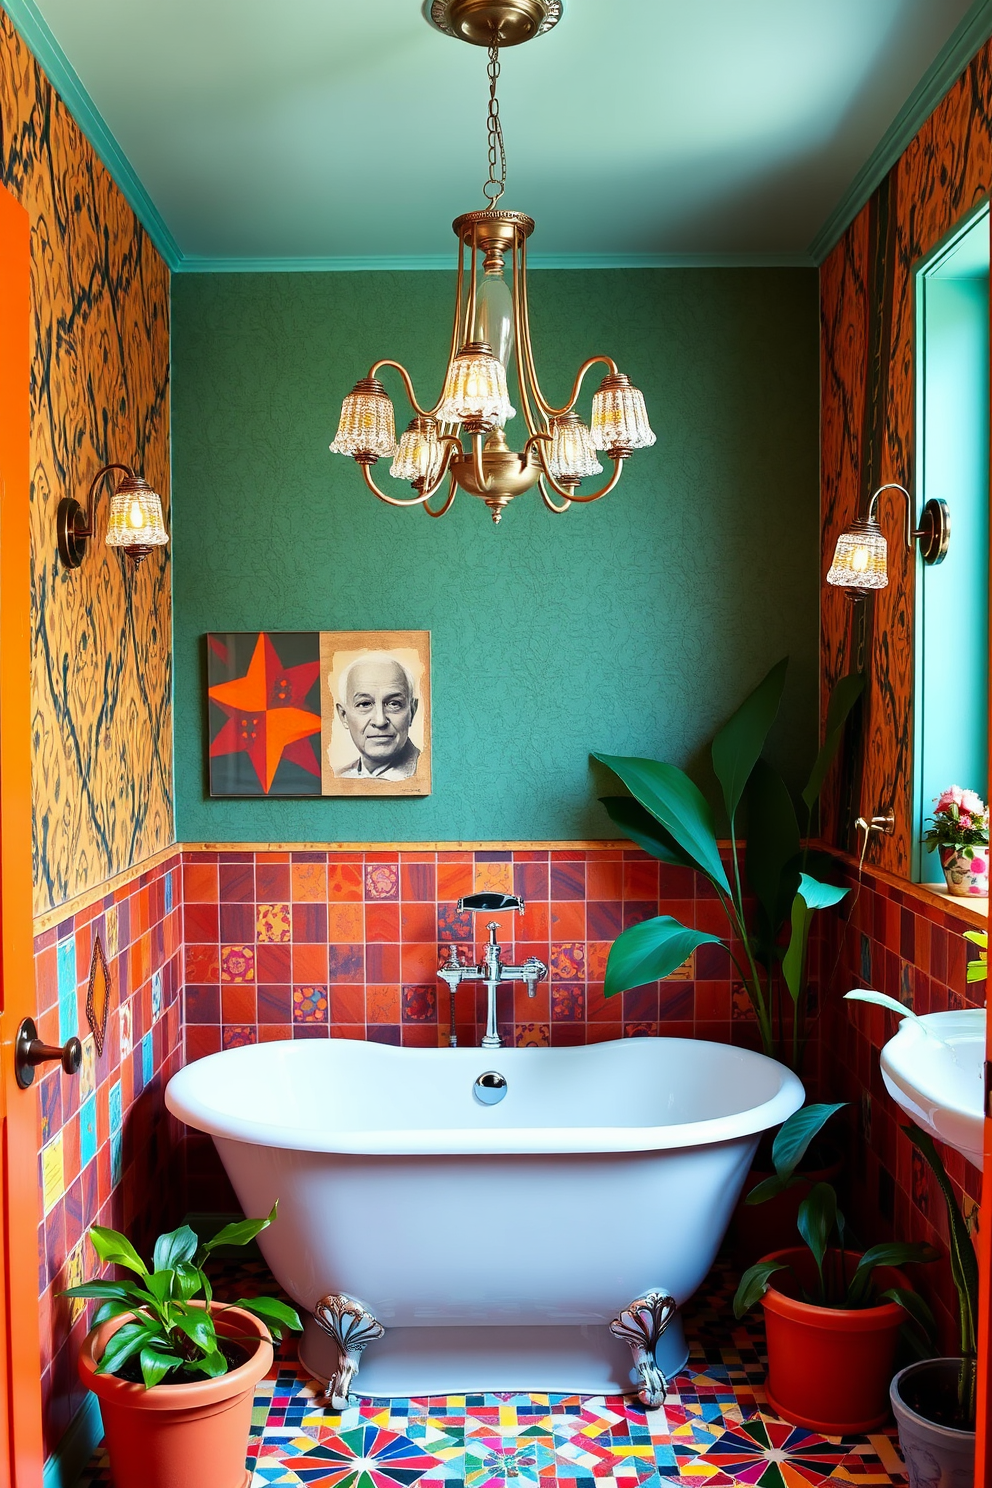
319,713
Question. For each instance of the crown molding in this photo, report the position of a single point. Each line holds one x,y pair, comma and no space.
34,31
199,264
971,34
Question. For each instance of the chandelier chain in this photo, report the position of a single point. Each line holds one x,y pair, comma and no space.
496,183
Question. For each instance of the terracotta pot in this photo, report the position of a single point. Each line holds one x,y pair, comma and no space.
829,1368
757,1229
966,871
179,1436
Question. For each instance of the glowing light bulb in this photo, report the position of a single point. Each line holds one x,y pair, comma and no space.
135,516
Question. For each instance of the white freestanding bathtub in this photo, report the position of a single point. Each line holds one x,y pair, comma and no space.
494,1243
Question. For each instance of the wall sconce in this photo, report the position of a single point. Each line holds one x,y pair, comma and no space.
861,555
136,524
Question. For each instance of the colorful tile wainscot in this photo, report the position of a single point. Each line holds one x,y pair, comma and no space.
715,1430
308,944
107,1151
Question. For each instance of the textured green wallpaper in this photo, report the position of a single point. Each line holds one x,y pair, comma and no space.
634,625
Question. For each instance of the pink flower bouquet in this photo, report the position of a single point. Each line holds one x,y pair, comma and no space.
959,827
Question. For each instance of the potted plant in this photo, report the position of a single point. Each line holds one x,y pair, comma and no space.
834,1315
959,829
174,1371
934,1400
765,1218
667,815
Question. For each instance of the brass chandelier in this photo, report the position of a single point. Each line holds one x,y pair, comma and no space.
491,322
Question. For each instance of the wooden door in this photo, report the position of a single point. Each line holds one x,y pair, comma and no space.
21,1451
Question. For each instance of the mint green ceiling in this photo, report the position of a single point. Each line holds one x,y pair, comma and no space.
638,129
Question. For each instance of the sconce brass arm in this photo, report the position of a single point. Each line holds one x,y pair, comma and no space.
90,506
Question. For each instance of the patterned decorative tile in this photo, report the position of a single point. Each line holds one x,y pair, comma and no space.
382,881
237,963
309,1004
272,924
715,1430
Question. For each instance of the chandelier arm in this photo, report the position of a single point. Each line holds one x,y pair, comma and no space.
453,446
525,353
482,480
452,493
391,500
580,378
456,324
523,345
547,499
386,362
570,495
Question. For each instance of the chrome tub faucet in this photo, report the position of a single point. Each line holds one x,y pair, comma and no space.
490,969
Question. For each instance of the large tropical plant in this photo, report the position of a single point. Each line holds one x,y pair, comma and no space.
668,816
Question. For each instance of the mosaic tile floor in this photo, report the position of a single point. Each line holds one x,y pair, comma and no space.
715,1429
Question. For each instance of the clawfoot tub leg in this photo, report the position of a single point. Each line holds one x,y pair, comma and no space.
351,1326
641,1326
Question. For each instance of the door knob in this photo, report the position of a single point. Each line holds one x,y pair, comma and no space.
29,1051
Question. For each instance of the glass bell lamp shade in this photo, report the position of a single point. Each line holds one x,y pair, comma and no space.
420,454
367,430
136,523
860,558
494,311
571,456
475,390
619,418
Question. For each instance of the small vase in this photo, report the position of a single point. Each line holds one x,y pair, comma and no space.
966,871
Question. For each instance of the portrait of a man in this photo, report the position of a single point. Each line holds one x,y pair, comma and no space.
376,736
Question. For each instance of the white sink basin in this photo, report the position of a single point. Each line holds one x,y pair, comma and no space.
936,1074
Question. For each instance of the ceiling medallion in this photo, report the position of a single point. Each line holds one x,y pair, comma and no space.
461,437
485,22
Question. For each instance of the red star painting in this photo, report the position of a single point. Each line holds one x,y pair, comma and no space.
264,694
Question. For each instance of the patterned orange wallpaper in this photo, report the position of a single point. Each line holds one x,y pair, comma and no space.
866,306
101,651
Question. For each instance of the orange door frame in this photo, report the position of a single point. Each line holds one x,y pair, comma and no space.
20,1365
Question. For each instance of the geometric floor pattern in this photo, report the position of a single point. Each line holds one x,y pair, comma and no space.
715,1430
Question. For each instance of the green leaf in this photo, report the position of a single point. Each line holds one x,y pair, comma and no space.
189,1281
754,1285
211,1365
650,951
242,1232
178,1245
109,1310
272,1310
160,1284
917,1308
115,1249
768,1188
736,748
199,1328
811,896
683,811
126,1341
845,694
794,1136
964,1262
97,1289
641,827
882,999
889,1253
155,1366
816,1220
772,854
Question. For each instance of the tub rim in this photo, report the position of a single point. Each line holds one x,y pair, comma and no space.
182,1101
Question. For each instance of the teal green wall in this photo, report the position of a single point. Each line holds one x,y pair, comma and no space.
634,625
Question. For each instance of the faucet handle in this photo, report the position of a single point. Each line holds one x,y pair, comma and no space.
453,961
534,971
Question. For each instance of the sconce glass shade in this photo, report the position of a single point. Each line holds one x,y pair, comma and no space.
619,418
420,454
475,390
572,456
860,558
136,520
367,429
